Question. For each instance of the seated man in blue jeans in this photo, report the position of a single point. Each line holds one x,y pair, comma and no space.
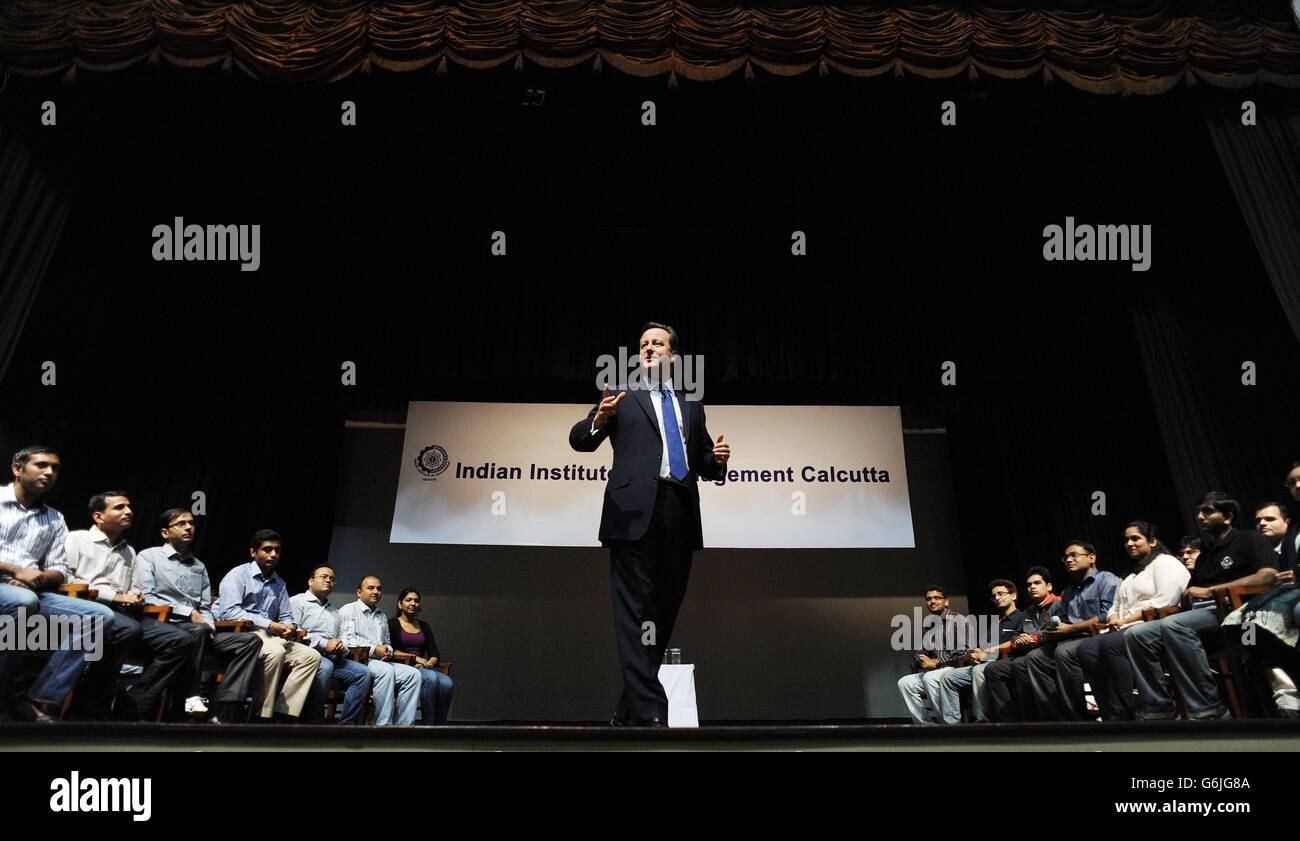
32,566
1002,593
934,662
1230,557
313,613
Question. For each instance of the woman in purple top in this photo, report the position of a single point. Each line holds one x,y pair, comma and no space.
414,636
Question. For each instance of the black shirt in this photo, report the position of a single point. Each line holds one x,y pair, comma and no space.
1242,553
1009,626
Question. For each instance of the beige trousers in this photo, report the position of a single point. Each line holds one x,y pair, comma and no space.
288,671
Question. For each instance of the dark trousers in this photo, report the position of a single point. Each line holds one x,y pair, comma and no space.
167,650
100,678
1010,694
1106,665
648,578
1056,679
238,654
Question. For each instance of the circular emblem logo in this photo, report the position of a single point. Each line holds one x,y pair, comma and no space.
1227,562
432,461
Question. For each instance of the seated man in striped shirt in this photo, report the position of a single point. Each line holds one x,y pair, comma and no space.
33,540
254,591
364,624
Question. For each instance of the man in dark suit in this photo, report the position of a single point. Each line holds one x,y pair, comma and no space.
651,515
1291,541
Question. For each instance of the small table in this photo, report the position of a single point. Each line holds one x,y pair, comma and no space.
679,685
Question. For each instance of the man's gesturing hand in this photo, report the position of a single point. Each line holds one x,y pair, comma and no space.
721,451
608,407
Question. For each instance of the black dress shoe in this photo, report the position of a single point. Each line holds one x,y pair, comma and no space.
656,722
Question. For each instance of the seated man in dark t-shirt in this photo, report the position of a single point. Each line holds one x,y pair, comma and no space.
1006,681
1230,557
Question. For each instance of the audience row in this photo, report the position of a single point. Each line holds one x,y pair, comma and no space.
1136,643
282,668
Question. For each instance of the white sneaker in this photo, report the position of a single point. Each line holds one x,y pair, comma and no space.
196,705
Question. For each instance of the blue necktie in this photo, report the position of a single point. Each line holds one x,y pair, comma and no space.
676,455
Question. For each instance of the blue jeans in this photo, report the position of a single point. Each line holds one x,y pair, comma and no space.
356,679
435,696
65,666
1174,643
394,681
916,687
950,686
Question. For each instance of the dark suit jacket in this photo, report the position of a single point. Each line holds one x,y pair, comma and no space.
638,451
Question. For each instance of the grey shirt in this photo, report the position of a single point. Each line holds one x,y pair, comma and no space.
166,578
320,619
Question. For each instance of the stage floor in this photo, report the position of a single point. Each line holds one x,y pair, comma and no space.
1255,736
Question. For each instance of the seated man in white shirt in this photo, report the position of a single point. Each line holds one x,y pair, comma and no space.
364,624
101,558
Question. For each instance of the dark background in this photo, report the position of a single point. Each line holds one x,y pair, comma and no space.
924,246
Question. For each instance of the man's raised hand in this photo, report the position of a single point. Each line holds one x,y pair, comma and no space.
721,451
608,407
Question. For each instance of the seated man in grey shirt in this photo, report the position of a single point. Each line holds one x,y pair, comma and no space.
171,575
313,613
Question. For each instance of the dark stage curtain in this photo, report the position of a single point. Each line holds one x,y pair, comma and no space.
1217,432
269,464
1262,163
1133,46
32,213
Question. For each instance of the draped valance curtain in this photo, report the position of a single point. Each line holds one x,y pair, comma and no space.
1121,46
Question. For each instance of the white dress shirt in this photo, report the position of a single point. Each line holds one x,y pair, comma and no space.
92,560
657,400
362,626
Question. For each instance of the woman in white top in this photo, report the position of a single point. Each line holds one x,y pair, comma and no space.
1157,580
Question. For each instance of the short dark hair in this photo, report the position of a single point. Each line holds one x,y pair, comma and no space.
406,591
1190,542
1224,504
362,582
935,588
1043,571
99,502
262,536
1285,512
166,517
1082,544
672,334
1003,582
320,567
25,454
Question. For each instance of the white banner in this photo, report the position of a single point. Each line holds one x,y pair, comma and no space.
800,477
